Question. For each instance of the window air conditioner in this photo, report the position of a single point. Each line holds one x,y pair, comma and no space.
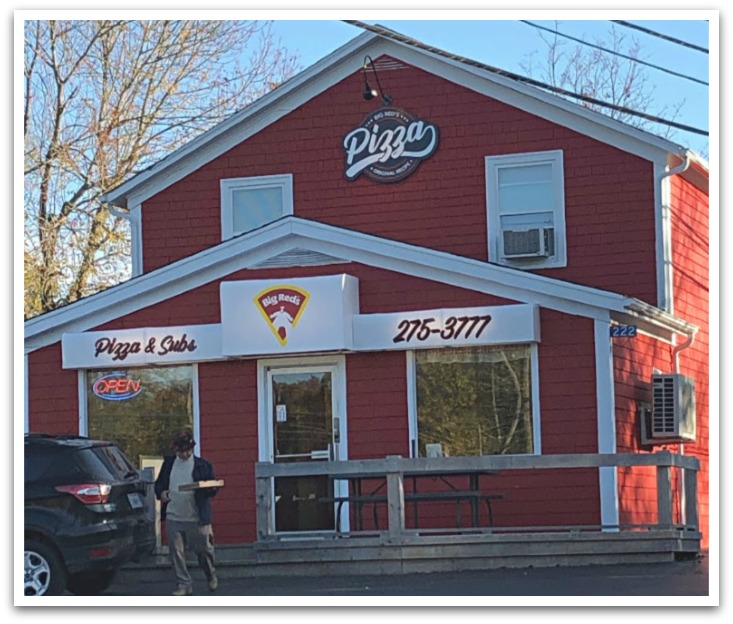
532,243
672,416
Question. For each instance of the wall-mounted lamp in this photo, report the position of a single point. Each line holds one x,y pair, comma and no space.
369,93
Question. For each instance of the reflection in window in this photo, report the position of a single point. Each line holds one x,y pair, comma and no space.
145,423
305,422
475,401
250,203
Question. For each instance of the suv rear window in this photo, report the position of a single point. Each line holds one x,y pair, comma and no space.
105,463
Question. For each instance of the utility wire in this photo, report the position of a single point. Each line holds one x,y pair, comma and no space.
391,34
661,36
628,58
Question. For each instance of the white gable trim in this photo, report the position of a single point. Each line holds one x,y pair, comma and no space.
289,233
349,59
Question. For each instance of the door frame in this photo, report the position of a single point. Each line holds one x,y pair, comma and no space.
337,364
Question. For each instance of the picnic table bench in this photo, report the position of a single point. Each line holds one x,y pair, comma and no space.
376,497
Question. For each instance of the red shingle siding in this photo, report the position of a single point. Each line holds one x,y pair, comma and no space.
634,360
690,256
377,412
229,439
567,384
53,395
609,193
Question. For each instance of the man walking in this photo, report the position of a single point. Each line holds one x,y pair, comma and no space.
187,513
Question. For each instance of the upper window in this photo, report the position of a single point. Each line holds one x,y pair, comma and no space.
526,209
249,203
475,401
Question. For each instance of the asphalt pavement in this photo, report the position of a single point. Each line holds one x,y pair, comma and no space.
678,578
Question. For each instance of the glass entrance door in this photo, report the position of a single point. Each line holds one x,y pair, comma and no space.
305,427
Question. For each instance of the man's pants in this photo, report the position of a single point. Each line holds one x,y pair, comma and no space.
193,536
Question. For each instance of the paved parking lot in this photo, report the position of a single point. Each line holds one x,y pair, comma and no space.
679,578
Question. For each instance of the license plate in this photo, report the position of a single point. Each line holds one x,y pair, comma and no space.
135,500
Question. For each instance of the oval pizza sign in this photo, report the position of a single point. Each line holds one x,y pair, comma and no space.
388,145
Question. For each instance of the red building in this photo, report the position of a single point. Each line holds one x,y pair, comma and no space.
475,267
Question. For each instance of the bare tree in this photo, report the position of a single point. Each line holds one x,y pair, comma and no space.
603,75
104,100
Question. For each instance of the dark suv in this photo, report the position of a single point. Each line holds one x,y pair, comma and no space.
86,514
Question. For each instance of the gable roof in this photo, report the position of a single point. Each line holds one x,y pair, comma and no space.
291,238
349,59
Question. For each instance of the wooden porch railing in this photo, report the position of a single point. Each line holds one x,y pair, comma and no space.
395,468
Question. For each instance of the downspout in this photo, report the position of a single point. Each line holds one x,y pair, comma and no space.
667,259
667,303
668,283
134,219
676,351
676,366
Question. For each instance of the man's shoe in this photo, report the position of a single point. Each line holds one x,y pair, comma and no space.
182,591
213,584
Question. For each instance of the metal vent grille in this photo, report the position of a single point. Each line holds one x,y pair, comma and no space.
298,257
521,243
664,417
388,64
673,407
536,242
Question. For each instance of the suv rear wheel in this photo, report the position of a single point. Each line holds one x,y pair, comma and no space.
45,574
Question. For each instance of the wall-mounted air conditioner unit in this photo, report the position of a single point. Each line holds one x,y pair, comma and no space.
532,243
672,416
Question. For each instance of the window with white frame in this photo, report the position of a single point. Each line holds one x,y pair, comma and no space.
140,408
525,199
250,203
475,401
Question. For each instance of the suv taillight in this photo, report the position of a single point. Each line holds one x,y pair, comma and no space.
88,493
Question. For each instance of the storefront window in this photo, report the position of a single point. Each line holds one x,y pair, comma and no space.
140,408
475,401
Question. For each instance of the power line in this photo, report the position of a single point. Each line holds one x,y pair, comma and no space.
661,36
391,34
629,58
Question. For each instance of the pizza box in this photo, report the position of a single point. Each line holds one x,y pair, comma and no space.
197,485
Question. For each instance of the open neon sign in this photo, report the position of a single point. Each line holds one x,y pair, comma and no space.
117,387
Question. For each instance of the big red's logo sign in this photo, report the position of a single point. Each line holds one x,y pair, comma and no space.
282,307
388,145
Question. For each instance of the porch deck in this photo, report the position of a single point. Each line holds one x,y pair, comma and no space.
369,555
398,548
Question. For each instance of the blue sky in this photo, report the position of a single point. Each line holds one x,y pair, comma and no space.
508,43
